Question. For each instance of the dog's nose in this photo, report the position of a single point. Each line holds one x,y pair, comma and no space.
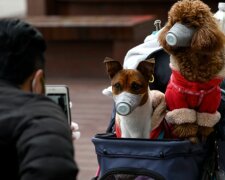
123,108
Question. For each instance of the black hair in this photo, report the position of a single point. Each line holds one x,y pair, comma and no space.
22,50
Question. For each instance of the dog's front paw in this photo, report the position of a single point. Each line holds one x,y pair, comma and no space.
186,131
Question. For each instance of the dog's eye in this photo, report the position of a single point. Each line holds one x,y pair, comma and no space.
135,86
117,86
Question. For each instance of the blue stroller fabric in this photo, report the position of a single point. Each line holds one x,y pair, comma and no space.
159,159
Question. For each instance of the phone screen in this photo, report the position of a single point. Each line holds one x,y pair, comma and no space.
60,95
60,99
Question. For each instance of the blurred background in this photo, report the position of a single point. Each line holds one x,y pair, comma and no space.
79,35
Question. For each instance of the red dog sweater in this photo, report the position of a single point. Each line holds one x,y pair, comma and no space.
203,97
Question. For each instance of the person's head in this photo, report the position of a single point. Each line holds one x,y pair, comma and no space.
22,50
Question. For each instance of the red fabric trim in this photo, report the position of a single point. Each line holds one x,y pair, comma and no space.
155,132
163,127
118,131
168,129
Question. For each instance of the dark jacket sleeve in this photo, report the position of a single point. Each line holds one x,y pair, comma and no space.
44,144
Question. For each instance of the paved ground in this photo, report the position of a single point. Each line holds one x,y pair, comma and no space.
91,110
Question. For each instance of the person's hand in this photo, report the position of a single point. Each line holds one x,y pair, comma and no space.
75,131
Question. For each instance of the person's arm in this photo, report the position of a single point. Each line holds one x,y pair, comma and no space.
45,150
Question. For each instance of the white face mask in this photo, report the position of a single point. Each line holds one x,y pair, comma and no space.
126,102
180,35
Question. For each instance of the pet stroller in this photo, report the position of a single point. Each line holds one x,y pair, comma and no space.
156,159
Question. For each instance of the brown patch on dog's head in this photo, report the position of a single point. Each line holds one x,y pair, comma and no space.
130,80
194,14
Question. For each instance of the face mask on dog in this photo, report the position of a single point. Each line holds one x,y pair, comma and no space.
126,102
180,35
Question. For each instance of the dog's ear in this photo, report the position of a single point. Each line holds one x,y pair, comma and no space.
112,66
208,39
147,68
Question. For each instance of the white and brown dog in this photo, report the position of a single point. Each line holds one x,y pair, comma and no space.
138,110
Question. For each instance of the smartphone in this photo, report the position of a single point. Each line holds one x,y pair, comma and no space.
60,95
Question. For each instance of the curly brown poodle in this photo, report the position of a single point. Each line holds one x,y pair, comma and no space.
200,62
205,57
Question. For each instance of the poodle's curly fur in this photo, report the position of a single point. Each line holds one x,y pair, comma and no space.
205,57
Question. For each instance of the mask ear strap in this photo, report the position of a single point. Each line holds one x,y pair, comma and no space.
152,79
